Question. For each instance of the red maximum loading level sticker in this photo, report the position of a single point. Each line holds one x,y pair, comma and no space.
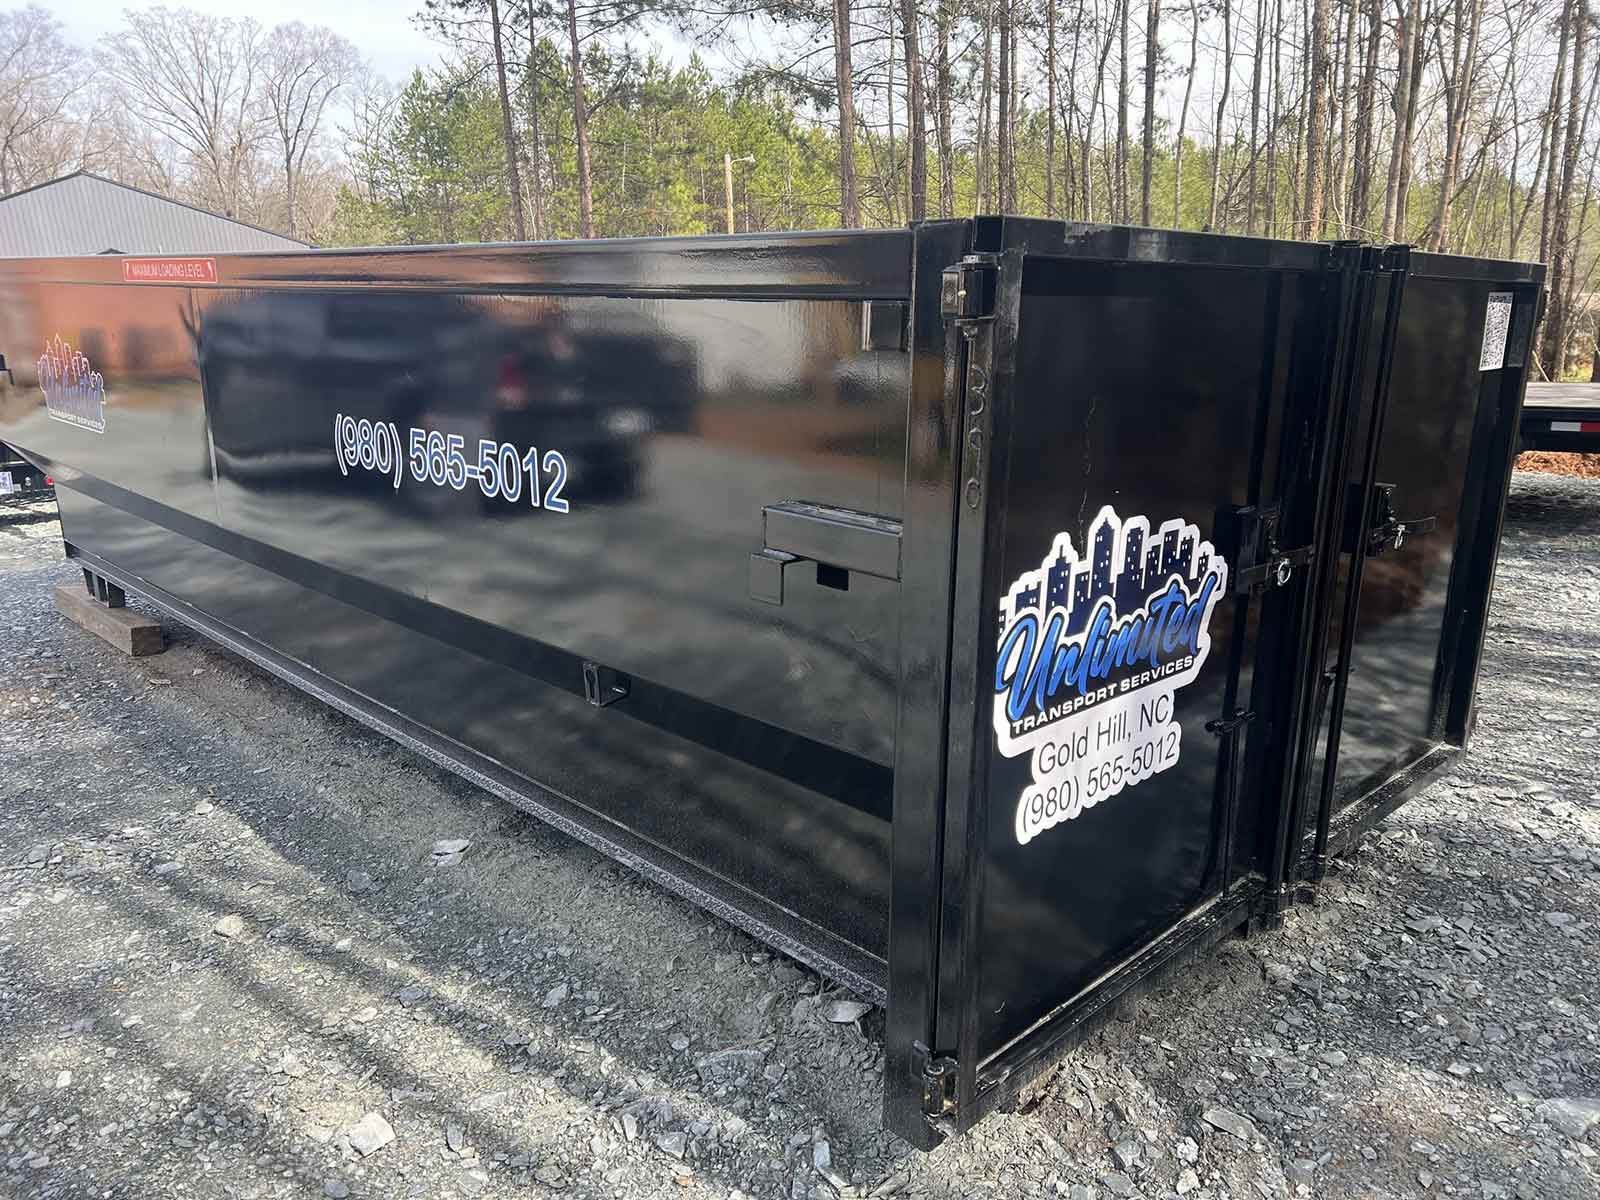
169,270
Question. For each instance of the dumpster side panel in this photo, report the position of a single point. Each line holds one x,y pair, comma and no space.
672,423
522,518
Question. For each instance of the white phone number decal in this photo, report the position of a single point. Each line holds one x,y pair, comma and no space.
501,470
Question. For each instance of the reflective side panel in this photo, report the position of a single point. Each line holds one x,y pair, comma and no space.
106,383
589,472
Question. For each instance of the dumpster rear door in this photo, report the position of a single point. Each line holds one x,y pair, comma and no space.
1436,430
1133,554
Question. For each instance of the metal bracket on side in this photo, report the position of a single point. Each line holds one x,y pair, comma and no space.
839,540
603,685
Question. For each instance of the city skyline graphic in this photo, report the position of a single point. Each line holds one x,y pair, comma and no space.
74,391
1126,563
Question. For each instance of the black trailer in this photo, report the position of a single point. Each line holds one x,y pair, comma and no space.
1562,417
21,480
987,613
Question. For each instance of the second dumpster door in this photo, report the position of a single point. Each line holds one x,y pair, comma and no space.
1151,403
1438,422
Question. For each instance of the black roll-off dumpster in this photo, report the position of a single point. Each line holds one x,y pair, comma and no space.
986,613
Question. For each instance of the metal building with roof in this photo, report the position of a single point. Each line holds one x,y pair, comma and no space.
86,214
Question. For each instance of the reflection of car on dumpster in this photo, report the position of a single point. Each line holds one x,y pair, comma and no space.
277,367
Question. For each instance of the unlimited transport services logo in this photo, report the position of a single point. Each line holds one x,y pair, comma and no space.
1093,649
74,391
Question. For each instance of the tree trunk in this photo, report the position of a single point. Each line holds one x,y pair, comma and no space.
1553,120
1222,111
1275,119
1405,32
1561,250
1339,187
1122,111
1183,115
1419,63
916,125
945,83
1361,184
1458,105
1003,133
580,127
1252,187
1069,176
1050,110
1152,52
985,164
849,204
536,141
1088,124
288,191
890,179
508,129
1317,121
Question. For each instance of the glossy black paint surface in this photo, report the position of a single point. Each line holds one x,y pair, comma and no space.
678,419
1442,411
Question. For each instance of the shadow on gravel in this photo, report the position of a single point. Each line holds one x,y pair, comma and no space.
15,517
587,1061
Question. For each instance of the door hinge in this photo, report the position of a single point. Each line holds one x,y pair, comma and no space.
1375,526
938,1073
967,290
1261,562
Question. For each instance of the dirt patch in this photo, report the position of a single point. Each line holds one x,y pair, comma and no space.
1583,466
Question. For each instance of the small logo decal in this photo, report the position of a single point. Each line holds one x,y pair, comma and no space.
73,391
1093,649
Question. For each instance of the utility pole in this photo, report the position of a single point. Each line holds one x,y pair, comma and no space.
727,181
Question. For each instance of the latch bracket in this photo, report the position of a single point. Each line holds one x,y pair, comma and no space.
1380,528
1262,563
967,290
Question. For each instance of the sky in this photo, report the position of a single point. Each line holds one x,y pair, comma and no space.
381,30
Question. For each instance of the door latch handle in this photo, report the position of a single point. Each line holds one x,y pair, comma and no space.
1262,562
1384,530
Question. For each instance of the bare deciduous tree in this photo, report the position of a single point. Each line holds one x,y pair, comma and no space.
303,69
197,79
39,76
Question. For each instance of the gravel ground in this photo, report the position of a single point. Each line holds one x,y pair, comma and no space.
249,949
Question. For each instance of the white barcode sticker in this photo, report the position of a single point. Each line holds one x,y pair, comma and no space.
1496,325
